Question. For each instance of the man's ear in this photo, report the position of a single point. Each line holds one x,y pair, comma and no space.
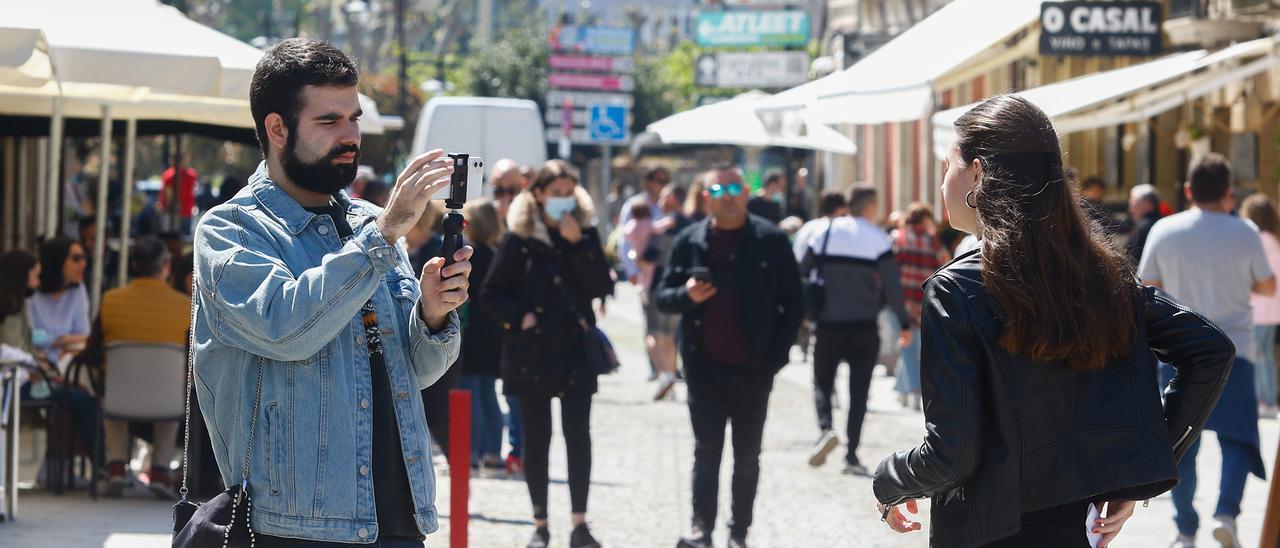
277,130
1186,191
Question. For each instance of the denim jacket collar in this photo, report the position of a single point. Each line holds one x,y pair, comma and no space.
281,206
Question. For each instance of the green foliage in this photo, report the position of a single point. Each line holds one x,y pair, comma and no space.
513,66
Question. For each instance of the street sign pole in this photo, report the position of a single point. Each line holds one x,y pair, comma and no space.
606,181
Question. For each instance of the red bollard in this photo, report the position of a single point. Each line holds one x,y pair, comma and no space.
459,466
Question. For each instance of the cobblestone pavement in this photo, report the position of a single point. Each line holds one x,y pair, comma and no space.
640,488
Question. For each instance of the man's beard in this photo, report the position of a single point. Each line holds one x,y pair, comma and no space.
322,176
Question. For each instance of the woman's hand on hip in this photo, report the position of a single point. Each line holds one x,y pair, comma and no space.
1118,512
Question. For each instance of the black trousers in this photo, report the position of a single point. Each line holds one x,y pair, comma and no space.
743,405
860,346
1056,527
575,421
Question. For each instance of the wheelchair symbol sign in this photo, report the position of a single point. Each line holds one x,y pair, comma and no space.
608,123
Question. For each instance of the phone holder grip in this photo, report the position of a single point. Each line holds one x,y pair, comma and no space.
453,225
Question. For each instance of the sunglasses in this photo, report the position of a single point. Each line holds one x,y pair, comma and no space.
500,192
77,258
718,190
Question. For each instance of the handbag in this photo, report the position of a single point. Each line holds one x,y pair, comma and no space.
814,289
601,357
225,520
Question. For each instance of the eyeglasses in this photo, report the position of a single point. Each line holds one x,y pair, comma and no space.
79,258
718,190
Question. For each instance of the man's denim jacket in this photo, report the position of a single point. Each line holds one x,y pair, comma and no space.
276,282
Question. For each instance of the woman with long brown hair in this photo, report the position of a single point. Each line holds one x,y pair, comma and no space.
1038,359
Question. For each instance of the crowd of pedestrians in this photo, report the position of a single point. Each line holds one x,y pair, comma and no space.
1037,361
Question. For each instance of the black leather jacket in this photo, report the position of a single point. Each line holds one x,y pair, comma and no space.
1006,435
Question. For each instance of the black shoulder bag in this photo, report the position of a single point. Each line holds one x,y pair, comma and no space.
225,520
815,288
602,359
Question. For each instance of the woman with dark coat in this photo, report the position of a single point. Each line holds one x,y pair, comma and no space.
546,274
1038,359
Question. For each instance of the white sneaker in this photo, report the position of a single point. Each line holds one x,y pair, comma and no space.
826,443
1183,541
1224,531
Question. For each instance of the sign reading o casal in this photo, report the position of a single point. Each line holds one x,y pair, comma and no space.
1100,28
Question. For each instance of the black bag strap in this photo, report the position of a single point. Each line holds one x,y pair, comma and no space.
817,261
568,299
191,374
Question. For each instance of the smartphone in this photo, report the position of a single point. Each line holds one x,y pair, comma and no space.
700,273
466,183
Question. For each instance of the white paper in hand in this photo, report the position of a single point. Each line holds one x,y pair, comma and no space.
1089,521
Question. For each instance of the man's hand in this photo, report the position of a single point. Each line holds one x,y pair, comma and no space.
904,338
699,291
445,290
570,230
899,522
529,321
425,175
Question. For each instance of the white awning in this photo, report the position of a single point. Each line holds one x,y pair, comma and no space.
1132,93
895,82
734,122
122,42
24,57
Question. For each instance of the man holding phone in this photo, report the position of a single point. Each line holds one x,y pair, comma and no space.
736,283
304,298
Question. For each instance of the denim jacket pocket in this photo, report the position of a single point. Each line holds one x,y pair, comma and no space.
273,435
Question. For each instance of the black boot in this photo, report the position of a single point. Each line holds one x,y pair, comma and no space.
697,538
581,538
541,538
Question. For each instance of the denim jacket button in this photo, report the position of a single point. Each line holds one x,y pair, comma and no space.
364,470
323,230
401,395
359,339
363,533
364,404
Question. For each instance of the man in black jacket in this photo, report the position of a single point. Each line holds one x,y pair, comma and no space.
736,283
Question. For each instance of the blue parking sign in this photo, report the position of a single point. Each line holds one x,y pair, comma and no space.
608,123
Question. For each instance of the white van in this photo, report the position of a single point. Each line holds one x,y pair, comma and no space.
490,127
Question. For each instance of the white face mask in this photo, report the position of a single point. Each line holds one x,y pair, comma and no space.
559,206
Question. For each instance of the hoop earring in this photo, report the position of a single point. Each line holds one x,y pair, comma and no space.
974,204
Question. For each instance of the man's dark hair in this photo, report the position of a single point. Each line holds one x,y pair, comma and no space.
724,166
1093,182
148,257
284,70
679,193
1210,178
88,221
861,195
831,201
773,176
652,173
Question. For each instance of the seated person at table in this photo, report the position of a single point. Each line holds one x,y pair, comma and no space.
148,310
59,310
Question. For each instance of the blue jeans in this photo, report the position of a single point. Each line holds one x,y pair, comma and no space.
1265,373
486,416
908,375
1235,469
515,428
